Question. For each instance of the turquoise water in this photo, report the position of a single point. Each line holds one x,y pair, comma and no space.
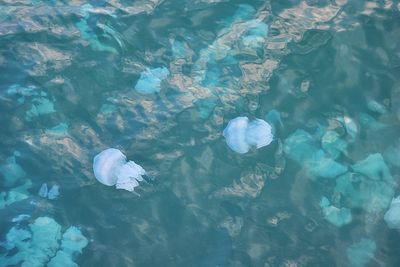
160,81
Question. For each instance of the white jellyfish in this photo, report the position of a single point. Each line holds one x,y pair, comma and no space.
111,168
392,216
51,194
241,135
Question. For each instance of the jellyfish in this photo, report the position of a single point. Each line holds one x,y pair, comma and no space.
150,80
51,194
360,253
392,216
43,190
54,192
111,168
241,135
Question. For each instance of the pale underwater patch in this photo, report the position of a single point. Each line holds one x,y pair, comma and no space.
51,194
108,109
255,36
370,188
11,170
334,215
72,244
111,168
15,183
304,149
40,106
392,216
377,107
392,154
150,80
15,194
360,253
370,123
21,92
273,117
333,144
35,246
350,126
90,35
241,135
60,129
39,243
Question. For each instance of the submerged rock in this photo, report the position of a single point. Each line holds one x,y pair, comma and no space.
376,107
334,215
111,168
15,194
374,167
51,194
256,35
34,247
11,170
392,216
370,188
304,149
333,144
60,129
349,125
40,106
360,253
39,244
241,135
72,243
392,154
150,80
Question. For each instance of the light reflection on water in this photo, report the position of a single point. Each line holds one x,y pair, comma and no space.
68,73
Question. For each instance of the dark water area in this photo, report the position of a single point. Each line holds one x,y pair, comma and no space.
312,180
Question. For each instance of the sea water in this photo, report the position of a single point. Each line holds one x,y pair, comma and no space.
163,82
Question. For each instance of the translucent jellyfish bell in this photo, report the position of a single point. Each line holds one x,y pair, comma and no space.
241,135
111,168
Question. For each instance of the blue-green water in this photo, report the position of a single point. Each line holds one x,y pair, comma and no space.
160,80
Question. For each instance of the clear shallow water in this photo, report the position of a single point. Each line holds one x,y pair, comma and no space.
67,77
